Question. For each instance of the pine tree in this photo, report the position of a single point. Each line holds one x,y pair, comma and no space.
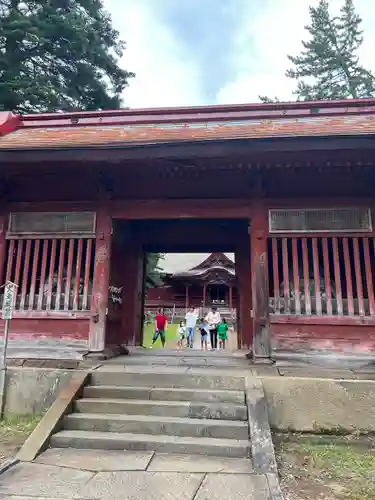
329,67
154,273
59,55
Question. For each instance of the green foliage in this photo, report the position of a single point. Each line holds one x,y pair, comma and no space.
59,55
328,67
154,276
268,100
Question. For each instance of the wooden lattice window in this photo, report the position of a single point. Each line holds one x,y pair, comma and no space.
51,223
339,220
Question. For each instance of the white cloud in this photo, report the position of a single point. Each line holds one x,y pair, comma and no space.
275,32
165,74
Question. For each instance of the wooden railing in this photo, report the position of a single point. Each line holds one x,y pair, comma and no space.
322,276
52,274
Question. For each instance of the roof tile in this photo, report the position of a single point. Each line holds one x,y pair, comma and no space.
86,136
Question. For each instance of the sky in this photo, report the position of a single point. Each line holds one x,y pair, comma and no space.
198,52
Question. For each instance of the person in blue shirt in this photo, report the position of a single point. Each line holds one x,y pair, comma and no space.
203,328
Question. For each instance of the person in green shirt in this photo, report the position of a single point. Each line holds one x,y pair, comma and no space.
222,333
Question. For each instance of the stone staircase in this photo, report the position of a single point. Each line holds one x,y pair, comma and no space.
168,409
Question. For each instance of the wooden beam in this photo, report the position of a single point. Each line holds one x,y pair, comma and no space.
185,149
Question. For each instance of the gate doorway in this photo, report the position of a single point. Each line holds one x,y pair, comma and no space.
133,240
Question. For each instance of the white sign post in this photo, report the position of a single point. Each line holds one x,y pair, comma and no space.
6,314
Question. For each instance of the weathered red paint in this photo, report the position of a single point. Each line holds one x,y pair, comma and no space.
358,277
9,122
132,293
34,275
87,274
327,276
99,301
51,273
69,274
285,173
322,337
42,274
296,276
77,276
318,299
260,281
286,274
3,222
368,274
322,320
337,276
67,329
276,280
348,277
17,272
60,272
305,260
25,274
244,303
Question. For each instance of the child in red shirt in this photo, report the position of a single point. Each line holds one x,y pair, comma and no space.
161,324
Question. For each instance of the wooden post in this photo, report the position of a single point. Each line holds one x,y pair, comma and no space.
187,297
244,295
133,270
3,229
259,282
204,295
99,301
230,298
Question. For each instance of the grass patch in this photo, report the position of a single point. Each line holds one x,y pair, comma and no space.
344,471
13,425
14,430
171,335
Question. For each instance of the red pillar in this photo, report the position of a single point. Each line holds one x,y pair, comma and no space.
99,300
133,293
244,296
259,282
3,229
204,295
187,297
230,298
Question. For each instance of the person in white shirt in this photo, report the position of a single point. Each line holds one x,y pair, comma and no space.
190,321
213,318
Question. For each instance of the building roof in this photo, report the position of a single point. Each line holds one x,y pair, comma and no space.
177,263
170,125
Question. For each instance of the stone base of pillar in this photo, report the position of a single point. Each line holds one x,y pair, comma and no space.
108,352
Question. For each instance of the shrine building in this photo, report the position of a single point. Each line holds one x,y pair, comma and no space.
286,188
212,282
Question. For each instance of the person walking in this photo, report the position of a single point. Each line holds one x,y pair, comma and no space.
213,319
181,334
203,328
161,326
190,322
222,333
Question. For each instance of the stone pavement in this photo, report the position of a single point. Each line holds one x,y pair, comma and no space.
60,474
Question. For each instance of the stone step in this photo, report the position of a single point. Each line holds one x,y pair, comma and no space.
188,361
178,378
167,394
187,409
147,424
147,442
